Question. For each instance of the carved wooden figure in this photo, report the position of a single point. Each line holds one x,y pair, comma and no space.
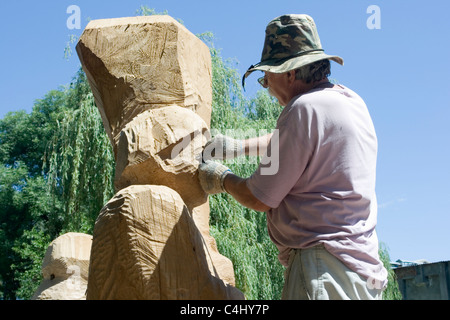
151,79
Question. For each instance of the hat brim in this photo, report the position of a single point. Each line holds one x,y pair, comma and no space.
276,66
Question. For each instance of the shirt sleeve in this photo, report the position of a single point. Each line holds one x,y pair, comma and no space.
286,159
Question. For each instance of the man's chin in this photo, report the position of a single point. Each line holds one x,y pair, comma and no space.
272,95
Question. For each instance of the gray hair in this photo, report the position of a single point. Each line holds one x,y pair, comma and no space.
313,72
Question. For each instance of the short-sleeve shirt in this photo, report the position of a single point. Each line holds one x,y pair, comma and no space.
318,176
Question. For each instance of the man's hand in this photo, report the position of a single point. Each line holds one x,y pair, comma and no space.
212,175
212,179
222,147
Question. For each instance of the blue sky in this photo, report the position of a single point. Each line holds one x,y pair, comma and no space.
401,70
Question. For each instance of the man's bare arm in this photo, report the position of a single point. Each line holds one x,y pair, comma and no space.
257,146
237,187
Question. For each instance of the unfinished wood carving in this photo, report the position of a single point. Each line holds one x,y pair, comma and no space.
163,144
65,268
151,80
147,246
140,63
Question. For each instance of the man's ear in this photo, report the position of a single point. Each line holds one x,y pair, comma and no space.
291,76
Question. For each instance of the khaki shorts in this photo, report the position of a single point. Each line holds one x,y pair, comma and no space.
315,274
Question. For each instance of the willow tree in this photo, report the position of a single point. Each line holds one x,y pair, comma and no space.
80,167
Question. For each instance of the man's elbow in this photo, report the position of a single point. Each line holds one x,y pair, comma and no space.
253,202
237,187
259,206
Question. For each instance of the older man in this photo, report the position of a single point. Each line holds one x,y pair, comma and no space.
320,201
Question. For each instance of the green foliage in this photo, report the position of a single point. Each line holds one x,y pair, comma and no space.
146,11
392,292
24,137
12,214
41,200
24,201
80,166
30,246
68,49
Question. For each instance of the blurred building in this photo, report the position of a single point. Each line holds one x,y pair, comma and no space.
421,280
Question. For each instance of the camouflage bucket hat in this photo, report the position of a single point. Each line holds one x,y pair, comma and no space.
291,42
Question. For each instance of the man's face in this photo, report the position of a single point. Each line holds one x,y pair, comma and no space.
276,83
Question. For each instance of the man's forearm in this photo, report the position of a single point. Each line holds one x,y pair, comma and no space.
257,146
237,187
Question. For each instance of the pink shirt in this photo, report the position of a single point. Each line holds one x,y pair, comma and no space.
323,187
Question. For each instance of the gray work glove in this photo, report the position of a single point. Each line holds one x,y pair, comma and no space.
211,176
222,147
